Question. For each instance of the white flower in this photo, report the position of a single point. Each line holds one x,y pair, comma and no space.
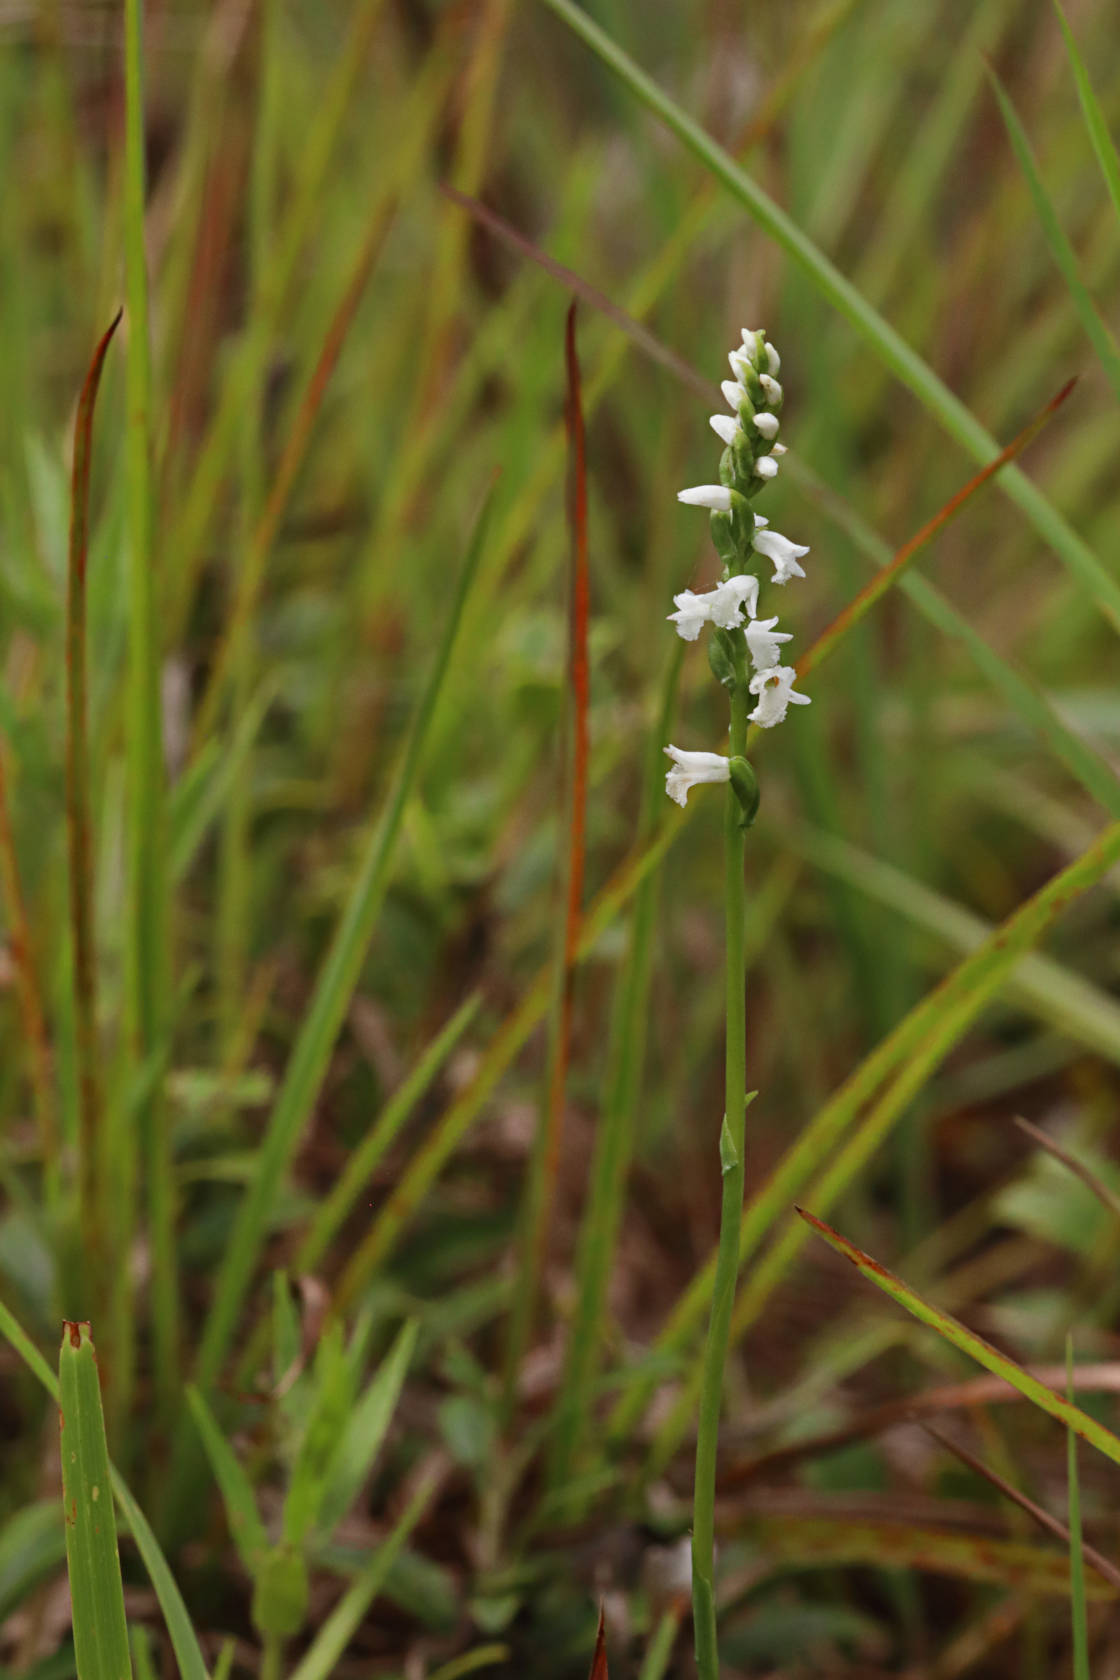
749,334
740,365
767,425
721,605
733,394
691,615
692,768
770,388
773,360
782,552
730,597
724,427
712,496
776,694
760,523
762,642
766,466
778,449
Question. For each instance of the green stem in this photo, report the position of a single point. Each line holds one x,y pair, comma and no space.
731,1147
272,1657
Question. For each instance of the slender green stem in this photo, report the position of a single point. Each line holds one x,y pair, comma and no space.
731,1148
272,1657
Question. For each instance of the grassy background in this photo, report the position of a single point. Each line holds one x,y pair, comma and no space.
290,903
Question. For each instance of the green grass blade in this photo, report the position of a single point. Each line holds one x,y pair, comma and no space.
366,1429
1103,144
327,1010
1079,1613
887,344
184,1640
343,1621
967,1342
92,1559
330,1214
1098,334
245,1525
147,955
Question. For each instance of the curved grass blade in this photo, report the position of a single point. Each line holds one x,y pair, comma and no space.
907,366
333,989
1078,1551
1103,144
365,1429
1097,332
92,1560
79,825
966,1341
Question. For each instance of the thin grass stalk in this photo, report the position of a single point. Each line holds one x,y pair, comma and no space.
147,954
79,829
1103,144
545,1159
32,1013
1078,1610
331,997
234,895
732,1156
906,365
614,1140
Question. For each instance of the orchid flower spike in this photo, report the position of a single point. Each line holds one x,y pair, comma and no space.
776,694
692,768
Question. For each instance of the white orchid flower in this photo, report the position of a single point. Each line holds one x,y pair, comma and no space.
712,496
782,552
774,361
766,467
762,643
725,428
732,394
771,390
721,606
776,694
767,425
692,768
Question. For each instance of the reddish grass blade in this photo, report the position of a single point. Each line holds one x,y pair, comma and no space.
1108,1571
32,1013
545,1164
78,819
1107,1198
599,1660
878,586
252,575
951,1329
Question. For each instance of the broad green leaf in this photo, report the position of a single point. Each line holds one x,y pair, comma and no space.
92,1559
1000,1365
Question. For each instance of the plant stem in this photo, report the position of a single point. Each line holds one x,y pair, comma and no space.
731,1146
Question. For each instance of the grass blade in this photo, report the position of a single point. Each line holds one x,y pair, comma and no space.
545,1157
888,345
1077,1549
92,1559
340,1626
147,953
245,1526
326,1011
1098,334
184,1641
967,1342
1103,144
79,828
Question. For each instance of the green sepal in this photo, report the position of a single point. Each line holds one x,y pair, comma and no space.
723,539
745,784
728,1155
721,659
